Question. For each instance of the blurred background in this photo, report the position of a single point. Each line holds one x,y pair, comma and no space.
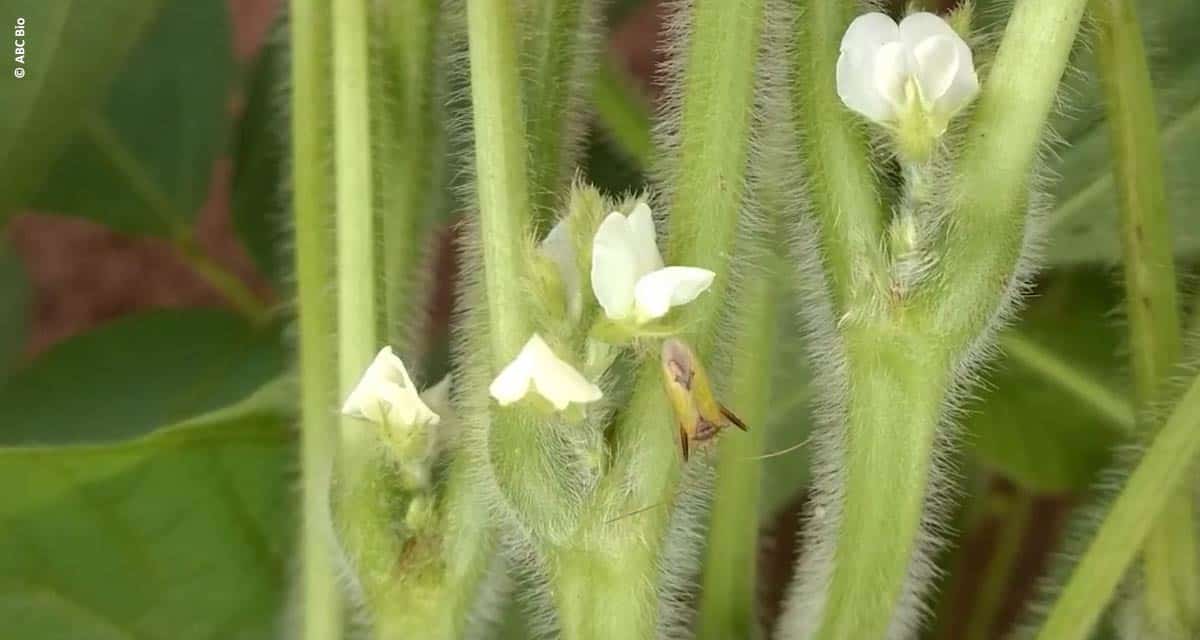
170,201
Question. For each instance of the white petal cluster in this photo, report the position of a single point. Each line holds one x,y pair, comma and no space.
558,247
386,395
628,276
887,72
537,368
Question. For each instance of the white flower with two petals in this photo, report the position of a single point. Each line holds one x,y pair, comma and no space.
888,72
386,395
537,368
628,276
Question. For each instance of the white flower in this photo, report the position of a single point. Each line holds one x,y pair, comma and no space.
537,367
559,248
386,395
888,71
628,276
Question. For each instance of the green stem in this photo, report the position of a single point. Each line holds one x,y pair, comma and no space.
1069,378
900,355
623,112
558,32
500,170
1172,582
632,507
1012,515
361,485
729,593
985,243
322,598
841,187
714,144
1166,466
411,128
898,382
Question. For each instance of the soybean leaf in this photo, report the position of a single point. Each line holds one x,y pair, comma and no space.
1025,425
132,375
181,534
141,164
72,52
260,153
14,309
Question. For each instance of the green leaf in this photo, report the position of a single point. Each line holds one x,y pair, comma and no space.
135,374
259,203
1027,426
142,163
1083,224
73,52
14,309
182,534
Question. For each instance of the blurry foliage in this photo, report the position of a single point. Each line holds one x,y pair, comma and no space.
142,160
165,525
182,534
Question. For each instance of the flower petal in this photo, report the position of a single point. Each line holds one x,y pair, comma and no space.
962,89
868,32
555,380
386,393
614,266
513,381
645,239
856,88
893,66
660,290
937,65
921,26
559,246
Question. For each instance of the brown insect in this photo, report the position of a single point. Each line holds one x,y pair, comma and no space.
698,414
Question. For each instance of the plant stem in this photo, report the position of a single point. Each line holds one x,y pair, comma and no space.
729,593
1172,580
898,384
412,133
623,112
322,598
558,32
1012,514
1108,405
500,170
984,245
900,355
1166,465
355,224
362,485
714,144
841,187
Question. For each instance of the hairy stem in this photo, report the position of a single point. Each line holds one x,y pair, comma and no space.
558,33
841,187
322,599
1166,465
729,593
1171,598
500,169
714,144
411,125
902,352
984,245
361,485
